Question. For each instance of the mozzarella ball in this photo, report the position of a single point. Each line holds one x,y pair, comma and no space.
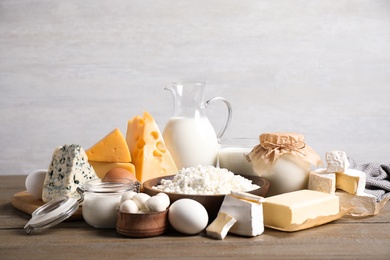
188,216
128,195
128,206
140,199
156,204
165,198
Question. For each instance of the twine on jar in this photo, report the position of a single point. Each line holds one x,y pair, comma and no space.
272,146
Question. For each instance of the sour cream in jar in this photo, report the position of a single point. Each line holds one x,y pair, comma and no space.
102,199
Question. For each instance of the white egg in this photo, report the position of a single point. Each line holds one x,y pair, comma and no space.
128,206
128,195
34,183
188,216
140,199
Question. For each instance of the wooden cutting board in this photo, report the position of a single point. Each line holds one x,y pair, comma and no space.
25,202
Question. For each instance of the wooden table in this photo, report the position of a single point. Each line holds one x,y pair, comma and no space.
364,238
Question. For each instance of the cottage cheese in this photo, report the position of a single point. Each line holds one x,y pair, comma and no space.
206,180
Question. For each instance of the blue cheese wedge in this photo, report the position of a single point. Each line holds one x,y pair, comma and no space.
68,170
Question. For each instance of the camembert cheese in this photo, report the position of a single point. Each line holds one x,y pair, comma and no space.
149,154
111,148
294,208
321,180
351,181
247,210
219,228
337,161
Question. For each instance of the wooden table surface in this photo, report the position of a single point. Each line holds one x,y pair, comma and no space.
347,238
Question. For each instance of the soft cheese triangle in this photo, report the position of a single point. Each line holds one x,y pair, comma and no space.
247,209
150,156
68,170
111,148
220,226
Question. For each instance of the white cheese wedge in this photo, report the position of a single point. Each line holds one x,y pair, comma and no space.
249,215
294,208
321,180
68,170
337,161
358,205
351,181
220,226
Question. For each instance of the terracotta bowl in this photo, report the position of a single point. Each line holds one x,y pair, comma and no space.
142,224
212,203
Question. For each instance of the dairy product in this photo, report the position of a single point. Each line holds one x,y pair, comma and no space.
111,148
337,161
205,180
102,200
150,156
321,180
99,210
351,181
233,159
248,214
220,226
68,170
294,208
191,141
360,205
101,168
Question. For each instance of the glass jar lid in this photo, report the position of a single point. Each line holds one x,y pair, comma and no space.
52,213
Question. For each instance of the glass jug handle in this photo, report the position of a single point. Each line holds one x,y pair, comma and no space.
229,115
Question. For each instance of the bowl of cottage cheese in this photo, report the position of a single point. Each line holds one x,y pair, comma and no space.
206,184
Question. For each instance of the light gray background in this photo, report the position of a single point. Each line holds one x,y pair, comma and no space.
71,71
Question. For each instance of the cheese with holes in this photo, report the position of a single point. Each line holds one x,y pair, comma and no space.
337,161
68,170
101,168
351,181
150,156
111,148
294,208
321,180
248,213
220,226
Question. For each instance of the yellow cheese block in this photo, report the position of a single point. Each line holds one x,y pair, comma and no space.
294,208
150,156
112,148
101,168
351,181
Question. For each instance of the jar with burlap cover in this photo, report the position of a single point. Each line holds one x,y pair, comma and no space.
284,159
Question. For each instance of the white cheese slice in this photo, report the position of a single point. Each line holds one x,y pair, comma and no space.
337,161
351,181
68,170
360,205
249,215
220,226
321,180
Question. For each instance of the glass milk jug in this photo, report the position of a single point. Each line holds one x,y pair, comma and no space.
188,134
